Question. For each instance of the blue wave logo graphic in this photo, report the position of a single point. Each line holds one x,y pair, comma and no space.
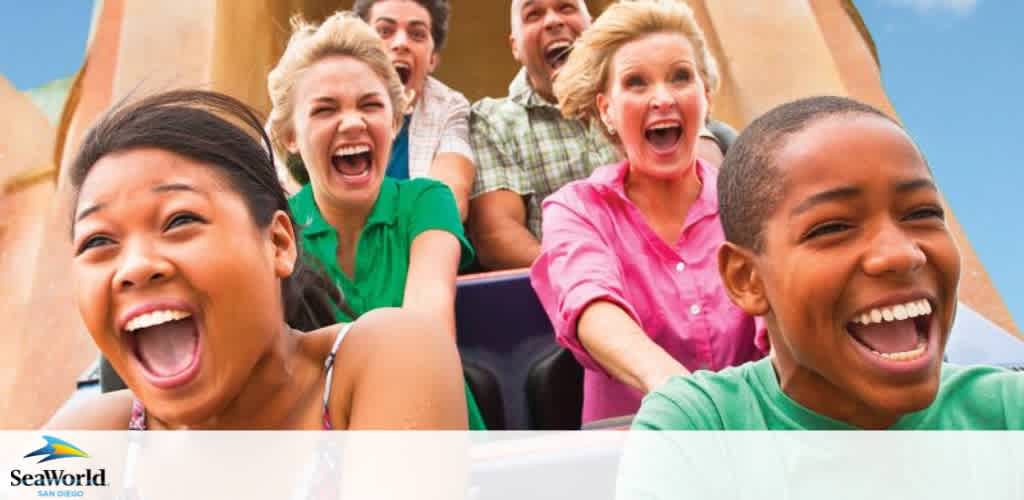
57,448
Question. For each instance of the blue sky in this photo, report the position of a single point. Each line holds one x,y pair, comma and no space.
952,68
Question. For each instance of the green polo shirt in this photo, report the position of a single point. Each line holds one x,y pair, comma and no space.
403,210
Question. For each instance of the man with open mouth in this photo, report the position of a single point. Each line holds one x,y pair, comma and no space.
525,149
434,138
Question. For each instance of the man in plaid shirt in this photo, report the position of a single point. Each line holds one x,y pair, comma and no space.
524,148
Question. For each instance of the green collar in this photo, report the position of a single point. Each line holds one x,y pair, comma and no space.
385,209
765,372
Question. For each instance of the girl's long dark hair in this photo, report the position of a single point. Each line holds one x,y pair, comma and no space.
211,128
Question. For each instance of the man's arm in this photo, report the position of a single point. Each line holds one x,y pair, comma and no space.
454,163
457,172
497,226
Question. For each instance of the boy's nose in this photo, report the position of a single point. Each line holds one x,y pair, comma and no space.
399,40
893,252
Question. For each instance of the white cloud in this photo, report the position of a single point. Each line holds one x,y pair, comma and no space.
962,7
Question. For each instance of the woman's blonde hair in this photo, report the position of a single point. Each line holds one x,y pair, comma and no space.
585,74
341,34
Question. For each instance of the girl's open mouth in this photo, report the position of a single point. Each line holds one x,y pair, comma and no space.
352,161
166,344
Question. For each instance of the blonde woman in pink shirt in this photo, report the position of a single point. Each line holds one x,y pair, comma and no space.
628,270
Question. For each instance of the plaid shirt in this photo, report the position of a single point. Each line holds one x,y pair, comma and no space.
523,144
440,124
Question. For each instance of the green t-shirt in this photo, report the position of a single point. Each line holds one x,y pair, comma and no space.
403,210
748,397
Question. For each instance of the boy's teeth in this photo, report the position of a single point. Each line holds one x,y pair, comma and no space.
898,312
906,355
155,318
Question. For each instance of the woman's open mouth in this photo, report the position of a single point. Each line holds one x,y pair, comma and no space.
166,344
353,162
664,137
897,333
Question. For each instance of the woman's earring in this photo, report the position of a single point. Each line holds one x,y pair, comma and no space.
611,130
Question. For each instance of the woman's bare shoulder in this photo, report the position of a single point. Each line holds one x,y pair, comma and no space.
390,351
110,411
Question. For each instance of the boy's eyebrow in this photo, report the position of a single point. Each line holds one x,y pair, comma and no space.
922,183
824,197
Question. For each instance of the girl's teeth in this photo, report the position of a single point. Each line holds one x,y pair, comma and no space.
155,318
352,150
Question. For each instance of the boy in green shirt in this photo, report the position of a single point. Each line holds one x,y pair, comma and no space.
836,235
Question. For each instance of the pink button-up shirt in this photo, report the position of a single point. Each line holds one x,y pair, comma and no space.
597,246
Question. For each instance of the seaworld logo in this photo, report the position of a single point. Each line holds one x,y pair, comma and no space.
57,448
58,478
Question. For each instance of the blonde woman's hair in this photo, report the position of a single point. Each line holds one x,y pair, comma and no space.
585,74
341,34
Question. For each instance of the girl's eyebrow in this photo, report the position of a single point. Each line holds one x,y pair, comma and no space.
179,186
163,188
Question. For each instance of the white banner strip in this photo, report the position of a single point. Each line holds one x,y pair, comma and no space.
512,465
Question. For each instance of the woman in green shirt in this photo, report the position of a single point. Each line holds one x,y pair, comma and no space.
338,103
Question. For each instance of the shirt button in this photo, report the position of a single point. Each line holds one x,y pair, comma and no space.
681,266
695,309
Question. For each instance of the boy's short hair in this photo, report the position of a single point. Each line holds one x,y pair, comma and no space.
749,184
438,10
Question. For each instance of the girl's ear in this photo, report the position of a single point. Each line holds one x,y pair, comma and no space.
289,141
283,243
742,281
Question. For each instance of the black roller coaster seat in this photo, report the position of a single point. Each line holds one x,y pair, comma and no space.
555,390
